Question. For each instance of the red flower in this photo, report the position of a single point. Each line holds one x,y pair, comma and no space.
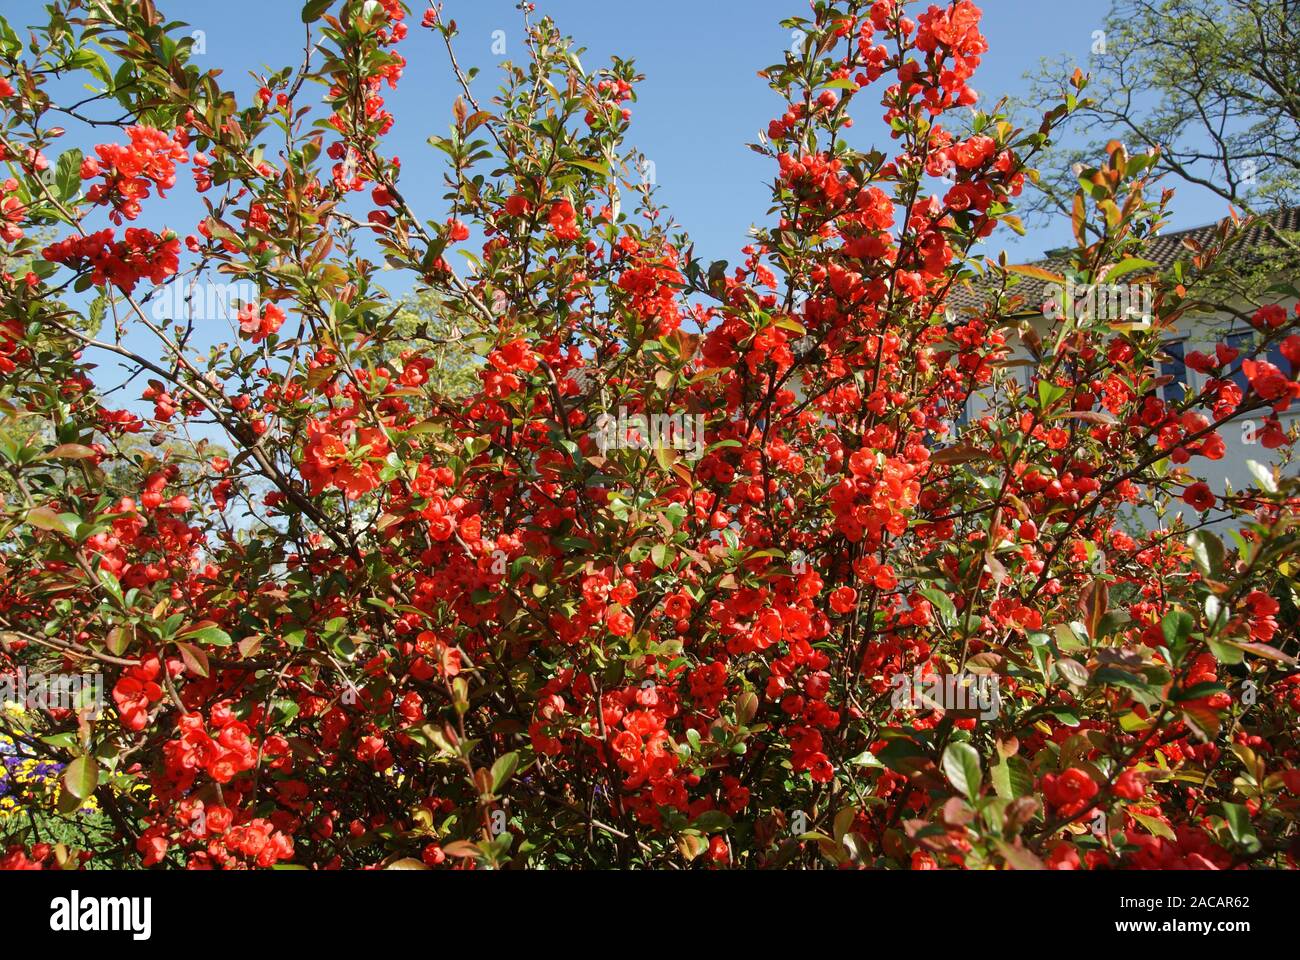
141,254
136,690
1064,856
1270,383
129,171
1269,317
619,623
1199,497
1290,348
677,606
562,221
1130,785
843,599
261,325
1069,792
718,850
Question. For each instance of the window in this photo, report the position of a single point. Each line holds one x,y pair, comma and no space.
1175,366
963,416
1243,341
1275,357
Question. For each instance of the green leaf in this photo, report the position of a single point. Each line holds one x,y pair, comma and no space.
196,661
595,166
1127,266
902,755
1224,651
711,821
118,640
961,765
1018,858
1263,476
1265,651
1239,825
1072,671
941,603
210,634
1049,393
747,706
1143,686
1157,827
312,9
1068,636
1207,551
67,175
504,769
43,518
1036,272
82,776
1011,778
108,580
1176,627
63,741
69,451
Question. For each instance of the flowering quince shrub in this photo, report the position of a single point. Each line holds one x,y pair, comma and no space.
348,621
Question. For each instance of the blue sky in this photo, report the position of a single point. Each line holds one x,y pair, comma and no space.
700,104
